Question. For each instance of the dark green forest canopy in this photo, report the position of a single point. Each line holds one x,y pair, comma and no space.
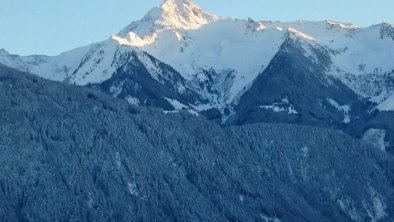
74,154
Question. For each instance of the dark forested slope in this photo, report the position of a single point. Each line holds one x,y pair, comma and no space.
73,154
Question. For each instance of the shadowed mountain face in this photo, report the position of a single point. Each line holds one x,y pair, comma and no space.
376,121
74,154
295,89
134,83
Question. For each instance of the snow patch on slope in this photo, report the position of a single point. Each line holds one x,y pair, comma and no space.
133,100
176,104
376,137
305,151
343,108
283,106
387,105
379,207
266,218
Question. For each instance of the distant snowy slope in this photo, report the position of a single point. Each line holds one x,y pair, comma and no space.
54,68
242,49
387,105
219,46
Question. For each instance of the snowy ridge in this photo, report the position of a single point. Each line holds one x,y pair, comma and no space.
97,65
300,34
341,25
56,68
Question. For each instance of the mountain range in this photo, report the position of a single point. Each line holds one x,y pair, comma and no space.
234,72
217,59
186,115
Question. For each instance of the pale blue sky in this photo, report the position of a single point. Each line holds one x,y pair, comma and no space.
52,26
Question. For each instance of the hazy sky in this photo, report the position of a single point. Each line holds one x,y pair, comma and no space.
52,26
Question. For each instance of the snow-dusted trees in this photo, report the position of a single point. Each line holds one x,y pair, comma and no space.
71,154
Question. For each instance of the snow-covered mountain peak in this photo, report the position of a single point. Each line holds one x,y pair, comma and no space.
184,14
169,5
172,14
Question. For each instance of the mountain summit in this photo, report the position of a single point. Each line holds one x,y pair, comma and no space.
172,14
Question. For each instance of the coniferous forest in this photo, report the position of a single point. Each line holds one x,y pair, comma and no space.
74,154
